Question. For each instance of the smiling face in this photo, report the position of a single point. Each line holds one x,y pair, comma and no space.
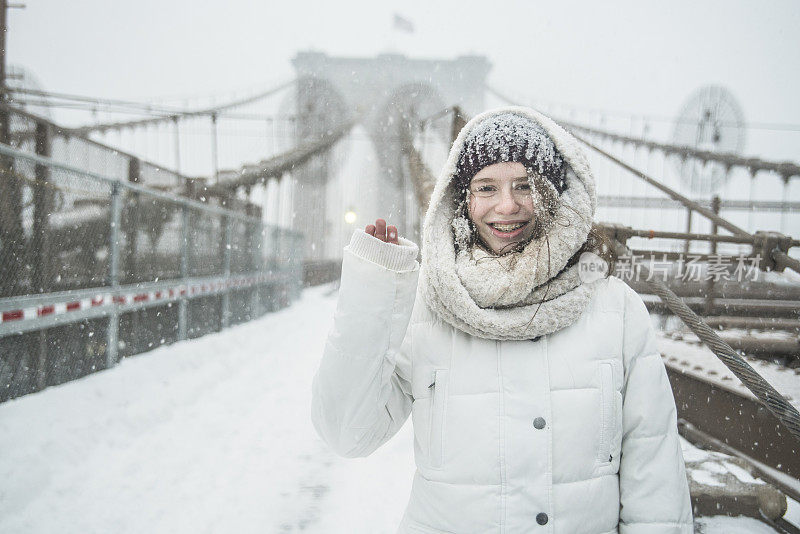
501,206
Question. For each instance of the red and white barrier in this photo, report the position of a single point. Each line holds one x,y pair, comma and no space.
134,297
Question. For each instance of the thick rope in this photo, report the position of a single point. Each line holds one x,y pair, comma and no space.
786,413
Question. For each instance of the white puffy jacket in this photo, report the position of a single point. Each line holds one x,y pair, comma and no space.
572,433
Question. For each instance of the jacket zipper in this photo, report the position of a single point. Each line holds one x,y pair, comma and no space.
436,442
607,412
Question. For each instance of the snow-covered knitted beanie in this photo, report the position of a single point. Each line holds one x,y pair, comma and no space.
526,293
511,137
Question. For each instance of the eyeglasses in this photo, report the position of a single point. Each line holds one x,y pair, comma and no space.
521,189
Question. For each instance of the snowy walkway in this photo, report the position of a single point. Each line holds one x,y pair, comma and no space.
210,435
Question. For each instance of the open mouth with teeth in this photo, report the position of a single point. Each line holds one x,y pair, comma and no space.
507,230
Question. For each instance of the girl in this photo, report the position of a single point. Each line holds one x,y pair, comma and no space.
540,402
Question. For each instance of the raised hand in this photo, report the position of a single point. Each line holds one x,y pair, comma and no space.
383,232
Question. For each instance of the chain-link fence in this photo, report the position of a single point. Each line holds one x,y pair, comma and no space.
94,266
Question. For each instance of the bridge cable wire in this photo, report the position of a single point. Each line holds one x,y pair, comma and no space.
283,162
175,115
768,126
784,411
89,102
145,106
61,130
780,257
786,169
422,179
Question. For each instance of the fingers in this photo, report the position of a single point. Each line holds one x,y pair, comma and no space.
383,232
380,229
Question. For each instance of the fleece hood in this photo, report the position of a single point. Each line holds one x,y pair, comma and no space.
519,295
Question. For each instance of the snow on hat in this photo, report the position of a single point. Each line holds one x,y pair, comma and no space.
511,137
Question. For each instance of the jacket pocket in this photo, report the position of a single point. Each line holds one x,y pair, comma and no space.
438,410
607,415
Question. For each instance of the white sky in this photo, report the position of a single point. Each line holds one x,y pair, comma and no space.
625,55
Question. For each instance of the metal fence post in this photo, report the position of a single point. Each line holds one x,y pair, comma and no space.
283,284
214,154
785,200
112,339
688,230
297,260
458,122
132,227
40,242
715,205
257,264
132,223
42,199
226,294
183,303
274,268
12,235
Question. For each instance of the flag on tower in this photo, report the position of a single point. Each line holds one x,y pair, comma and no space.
403,24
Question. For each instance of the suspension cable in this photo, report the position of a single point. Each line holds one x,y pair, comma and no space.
786,169
92,101
671,192
281,163
784,411
780,257
182,114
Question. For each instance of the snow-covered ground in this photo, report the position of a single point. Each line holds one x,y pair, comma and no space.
210,435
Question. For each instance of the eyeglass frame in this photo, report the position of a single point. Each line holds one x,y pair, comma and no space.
517,181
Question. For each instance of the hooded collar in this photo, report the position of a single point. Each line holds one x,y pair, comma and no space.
520,298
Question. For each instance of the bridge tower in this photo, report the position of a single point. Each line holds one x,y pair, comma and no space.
388,95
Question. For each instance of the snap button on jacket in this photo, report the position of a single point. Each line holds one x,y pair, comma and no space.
607,460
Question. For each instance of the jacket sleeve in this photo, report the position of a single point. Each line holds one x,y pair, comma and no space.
654,492
361,393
